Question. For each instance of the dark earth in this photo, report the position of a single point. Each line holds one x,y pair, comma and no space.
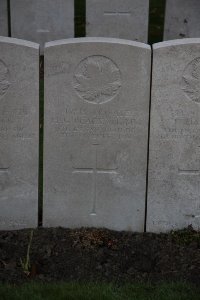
59,254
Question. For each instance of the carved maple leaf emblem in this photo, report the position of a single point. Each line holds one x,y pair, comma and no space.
4,83
97,79
191,81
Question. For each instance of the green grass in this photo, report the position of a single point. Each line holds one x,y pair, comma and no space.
72,291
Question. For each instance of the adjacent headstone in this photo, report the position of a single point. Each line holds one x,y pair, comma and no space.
41,21
19,127
182,19
126,19
3,18
174,165
96,128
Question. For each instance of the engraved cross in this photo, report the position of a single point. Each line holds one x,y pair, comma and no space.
95,171
190,172
117,13
3,170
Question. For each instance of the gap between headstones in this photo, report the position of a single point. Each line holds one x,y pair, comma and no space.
80,18
41,142
148,143
9,18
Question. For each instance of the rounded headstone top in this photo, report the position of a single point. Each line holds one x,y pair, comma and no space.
19,42
178,42
97,40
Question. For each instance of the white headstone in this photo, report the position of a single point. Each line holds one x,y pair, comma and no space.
19,127
174,165
41,21
96,127
3,18
182,19
126,19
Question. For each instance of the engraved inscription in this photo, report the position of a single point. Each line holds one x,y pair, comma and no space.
4,78
14,123
97,123
191,80
95,171
182,127
97,79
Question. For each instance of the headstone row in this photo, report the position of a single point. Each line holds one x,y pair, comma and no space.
97,98
41,21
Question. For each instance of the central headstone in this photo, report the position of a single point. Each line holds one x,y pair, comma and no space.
41,21
126,19
96,128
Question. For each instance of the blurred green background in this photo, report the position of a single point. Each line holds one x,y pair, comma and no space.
156,19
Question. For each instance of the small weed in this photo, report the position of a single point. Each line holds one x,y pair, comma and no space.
26,263
186,236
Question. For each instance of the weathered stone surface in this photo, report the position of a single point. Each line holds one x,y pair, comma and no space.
19,127
3,18
174,165
96,123
182,19
127,19
41,21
